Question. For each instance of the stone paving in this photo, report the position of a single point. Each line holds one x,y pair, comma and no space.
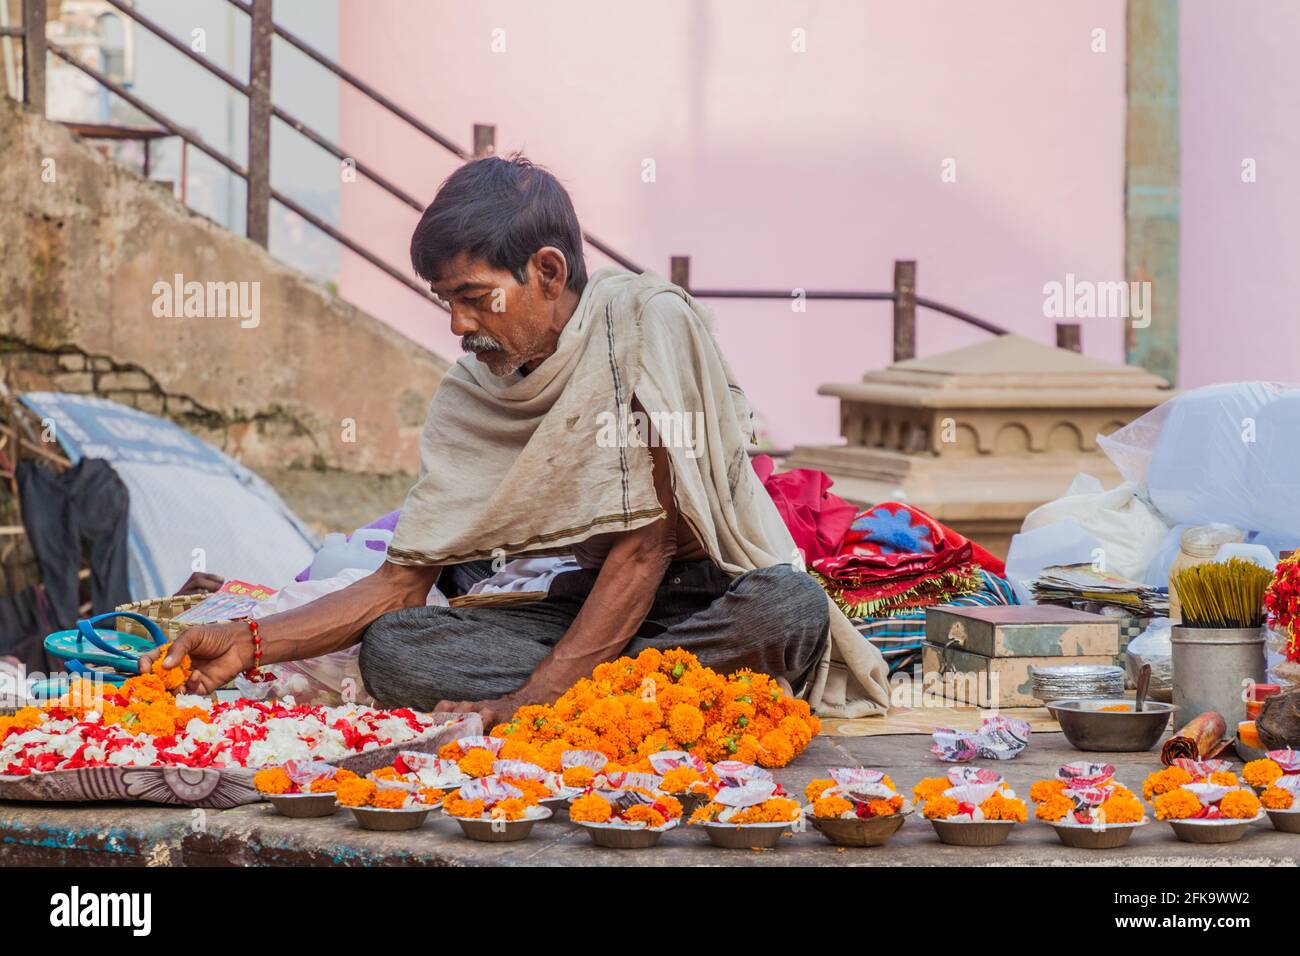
121,834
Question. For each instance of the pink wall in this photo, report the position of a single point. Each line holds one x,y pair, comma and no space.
1240,246
774,169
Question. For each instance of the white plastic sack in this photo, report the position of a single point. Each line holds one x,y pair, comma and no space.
1128,531
1061,542
1153,647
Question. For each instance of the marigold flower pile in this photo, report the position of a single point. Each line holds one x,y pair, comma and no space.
1282,602
143,723
969,794
1086,793
631,708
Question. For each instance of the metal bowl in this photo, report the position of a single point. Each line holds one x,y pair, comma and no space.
390,819
622,837
1088,727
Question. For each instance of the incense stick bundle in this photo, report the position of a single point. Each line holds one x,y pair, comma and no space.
1222,594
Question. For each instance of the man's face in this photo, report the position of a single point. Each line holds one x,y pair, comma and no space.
505,323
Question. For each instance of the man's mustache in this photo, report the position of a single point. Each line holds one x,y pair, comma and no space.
480,343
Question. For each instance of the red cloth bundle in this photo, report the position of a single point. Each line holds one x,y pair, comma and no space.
895,558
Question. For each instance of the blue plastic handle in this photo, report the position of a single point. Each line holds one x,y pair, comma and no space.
86,628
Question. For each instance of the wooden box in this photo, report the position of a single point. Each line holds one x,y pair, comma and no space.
965,677
1031,630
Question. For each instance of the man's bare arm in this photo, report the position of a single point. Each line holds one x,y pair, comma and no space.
331,623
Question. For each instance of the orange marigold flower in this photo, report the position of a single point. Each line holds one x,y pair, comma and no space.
775,810
886,807
1240,805
477,762
816,788
1176,805
456,807
356,793
171,677
679,779
1261,773
1052,807
1224,778
590,808
1042,790
931,787
940,808
323,785
1122,808
1165,781
579,776
644,813
429,795
1275,798
685,723
998,807
831,807
392,799
671,804
776,749
272,780
512,808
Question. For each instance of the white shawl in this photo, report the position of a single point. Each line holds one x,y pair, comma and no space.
534,463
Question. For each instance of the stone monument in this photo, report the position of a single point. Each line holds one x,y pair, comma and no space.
980,436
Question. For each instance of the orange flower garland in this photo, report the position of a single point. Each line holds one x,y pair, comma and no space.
630,708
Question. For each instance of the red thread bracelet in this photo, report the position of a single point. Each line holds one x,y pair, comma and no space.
254,673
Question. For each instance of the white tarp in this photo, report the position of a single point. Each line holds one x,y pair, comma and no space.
192,507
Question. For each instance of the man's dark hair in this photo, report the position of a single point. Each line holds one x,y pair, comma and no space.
501,211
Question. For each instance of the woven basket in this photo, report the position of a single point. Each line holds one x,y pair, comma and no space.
160,611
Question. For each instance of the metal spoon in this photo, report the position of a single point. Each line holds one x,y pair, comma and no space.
1143,682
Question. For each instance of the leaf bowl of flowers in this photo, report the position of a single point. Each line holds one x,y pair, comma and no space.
1209,812
302,789
685,777
1281,801
750,810
389,807
491,810
630,819
1087,808
856,807
970,806
1270,768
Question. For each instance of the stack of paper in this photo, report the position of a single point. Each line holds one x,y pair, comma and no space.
1074,583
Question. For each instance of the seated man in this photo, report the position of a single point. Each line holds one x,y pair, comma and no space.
591,416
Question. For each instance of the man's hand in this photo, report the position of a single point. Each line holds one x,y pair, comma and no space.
217,653
493,712
200,582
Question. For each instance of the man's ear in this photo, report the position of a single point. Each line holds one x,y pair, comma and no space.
552,271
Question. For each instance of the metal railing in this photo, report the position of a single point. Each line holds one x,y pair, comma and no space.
260,192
